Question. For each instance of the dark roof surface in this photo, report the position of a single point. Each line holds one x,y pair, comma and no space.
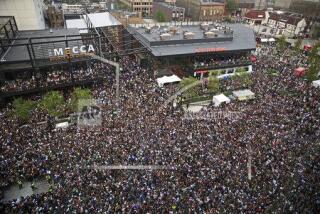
243,39
20,53
288,18
256,14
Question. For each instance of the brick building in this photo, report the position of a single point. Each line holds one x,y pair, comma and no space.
141,6
203,10
170,12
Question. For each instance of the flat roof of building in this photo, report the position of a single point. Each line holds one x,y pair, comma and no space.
77,23
102,19
42,41
242,38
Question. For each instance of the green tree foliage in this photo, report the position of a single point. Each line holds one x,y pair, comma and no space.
231,6
23,108
240,70
213,85
282,42
314,62
79,94
160,17
189,86
53,102
297,45
244,78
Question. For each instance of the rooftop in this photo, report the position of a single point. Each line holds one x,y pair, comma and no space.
102,19
42,41
175,42
171,6
212,2
287,17
256,14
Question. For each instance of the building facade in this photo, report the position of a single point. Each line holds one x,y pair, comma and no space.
256,17
170,12
28,13
203,10
55,17
141,6
287,24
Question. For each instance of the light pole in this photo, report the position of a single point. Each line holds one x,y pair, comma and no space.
118,69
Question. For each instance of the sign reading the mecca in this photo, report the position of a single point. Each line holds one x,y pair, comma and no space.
59,54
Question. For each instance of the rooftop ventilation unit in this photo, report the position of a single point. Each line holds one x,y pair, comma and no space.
174,30
188,35
165,36
148,29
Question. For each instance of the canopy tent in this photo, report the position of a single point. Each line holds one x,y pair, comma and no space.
299,72
245,94
62,125
253,58
271,40
219,99
307,47
264,40
316,83
167,79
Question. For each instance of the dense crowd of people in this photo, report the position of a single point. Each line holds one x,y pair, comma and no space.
205,161
56,76
205,62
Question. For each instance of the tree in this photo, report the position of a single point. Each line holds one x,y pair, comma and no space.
23,108
282,42
189,86
79,94
160,17
231,6
240,70
314,62
213,85
53,102
243,78
297,45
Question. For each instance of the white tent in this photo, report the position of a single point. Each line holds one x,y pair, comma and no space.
167,79
264,40
272,40
62,125
221,98
316,83
245,94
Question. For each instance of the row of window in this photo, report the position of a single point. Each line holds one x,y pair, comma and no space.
142,3
212,12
